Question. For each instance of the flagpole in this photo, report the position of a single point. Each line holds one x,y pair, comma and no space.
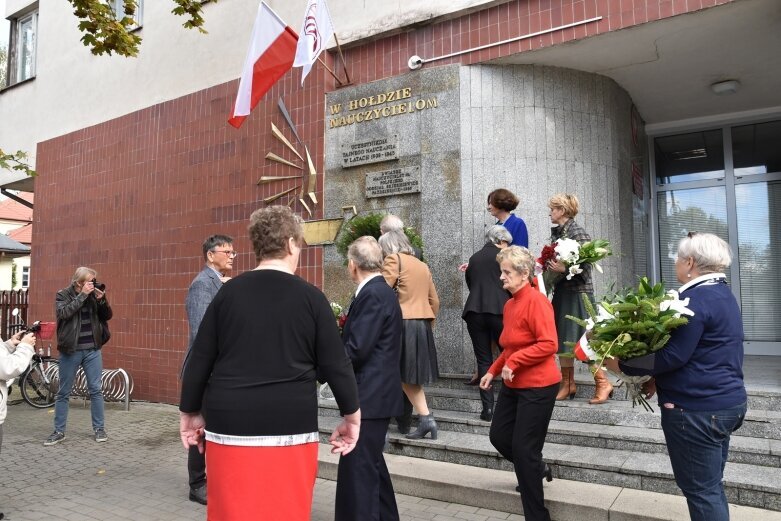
344,64
329,70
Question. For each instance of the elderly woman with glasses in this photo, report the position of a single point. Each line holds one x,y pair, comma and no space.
699,376
530,379
263,342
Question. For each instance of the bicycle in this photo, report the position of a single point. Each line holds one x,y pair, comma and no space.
40,382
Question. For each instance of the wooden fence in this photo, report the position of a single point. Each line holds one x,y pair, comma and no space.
8,301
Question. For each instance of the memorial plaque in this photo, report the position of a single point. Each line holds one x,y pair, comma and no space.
393,182
371,151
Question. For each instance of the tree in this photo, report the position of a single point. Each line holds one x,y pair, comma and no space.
3,65
104,33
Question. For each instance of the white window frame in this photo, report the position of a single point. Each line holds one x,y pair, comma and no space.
118,6
33,17
25,277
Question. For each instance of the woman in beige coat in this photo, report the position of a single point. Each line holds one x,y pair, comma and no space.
411,279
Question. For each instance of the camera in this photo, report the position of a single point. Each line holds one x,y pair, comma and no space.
99,285
35,328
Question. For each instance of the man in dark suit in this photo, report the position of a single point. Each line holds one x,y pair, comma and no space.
372,338
485,305
219,254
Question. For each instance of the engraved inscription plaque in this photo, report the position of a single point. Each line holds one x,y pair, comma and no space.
393,182
371,151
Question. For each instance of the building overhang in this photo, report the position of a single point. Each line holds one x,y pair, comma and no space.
668,66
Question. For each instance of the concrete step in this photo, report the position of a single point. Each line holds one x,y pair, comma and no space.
759,397
745,484
743,449
760,423
567,500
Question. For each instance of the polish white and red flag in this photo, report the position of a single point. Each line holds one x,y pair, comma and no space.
582,351
316,32
271,52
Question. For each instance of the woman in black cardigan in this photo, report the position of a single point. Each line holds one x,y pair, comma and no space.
264,340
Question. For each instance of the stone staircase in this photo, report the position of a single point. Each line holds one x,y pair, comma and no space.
612,444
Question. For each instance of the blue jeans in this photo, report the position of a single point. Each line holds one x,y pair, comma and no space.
92,362
698,443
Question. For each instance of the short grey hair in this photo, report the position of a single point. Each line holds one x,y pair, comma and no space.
391,223
498,233
395,242
709,252
519,258
365,254
81,273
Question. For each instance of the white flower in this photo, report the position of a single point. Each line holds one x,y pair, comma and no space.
574,270
589,324
598,267
603,314
600,251
677,305
567,250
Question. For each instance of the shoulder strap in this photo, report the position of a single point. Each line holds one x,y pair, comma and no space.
398,277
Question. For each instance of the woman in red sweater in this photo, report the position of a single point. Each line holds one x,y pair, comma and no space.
530,379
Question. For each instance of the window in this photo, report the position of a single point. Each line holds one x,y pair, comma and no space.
119,11
25,277
22,47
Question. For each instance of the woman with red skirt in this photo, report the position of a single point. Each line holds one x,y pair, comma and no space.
249,385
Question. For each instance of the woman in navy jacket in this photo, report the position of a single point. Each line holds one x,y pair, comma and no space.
699,377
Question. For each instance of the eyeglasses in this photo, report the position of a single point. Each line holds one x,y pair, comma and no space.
229,253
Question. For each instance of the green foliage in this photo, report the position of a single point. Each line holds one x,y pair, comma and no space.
17,162
3,65
13,276
105,34
369,224
633,323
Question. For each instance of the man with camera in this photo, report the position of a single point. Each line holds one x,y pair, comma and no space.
82,313
218,253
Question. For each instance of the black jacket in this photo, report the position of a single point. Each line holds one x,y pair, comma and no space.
68,310
372,338
486,294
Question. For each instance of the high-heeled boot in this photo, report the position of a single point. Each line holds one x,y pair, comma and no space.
566,376
426,425
603,388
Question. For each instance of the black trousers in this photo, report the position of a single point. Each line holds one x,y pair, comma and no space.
484,328
364,491
518,431
196,467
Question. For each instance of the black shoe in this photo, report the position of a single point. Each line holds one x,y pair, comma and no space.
198,495
547,473
473,381
425,426
487,415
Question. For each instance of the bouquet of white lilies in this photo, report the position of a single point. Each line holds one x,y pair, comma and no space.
574,255
630,325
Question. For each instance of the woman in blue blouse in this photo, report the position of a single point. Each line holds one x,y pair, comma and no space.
699,377
500,203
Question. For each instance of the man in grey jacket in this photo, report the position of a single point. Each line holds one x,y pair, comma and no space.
218,253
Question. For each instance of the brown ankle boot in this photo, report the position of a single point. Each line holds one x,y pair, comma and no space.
566,374
603,389
572,387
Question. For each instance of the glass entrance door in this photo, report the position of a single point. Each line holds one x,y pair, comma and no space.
728,182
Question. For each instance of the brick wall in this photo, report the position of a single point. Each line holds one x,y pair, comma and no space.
134,197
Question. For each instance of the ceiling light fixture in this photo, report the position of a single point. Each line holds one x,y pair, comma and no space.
724,88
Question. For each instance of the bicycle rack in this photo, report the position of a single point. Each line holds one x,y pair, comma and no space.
116,386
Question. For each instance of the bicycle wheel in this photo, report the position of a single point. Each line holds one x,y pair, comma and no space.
40,385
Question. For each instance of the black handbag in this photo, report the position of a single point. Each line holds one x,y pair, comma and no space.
105,334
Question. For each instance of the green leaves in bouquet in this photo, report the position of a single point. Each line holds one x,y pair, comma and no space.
632,323
369,224
593,251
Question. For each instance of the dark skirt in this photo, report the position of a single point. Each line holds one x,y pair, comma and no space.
566,302
418,353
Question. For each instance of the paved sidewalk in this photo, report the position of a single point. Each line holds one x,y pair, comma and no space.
139,474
